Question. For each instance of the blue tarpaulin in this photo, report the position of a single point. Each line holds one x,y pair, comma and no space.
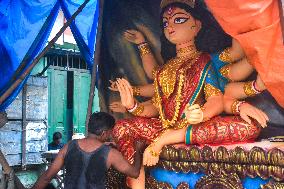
25,26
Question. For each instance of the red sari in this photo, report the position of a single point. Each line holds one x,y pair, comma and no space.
216,130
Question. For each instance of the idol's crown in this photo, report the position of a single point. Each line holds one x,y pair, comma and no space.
165,3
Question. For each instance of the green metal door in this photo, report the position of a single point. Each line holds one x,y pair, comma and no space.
57,105
81,96
82,81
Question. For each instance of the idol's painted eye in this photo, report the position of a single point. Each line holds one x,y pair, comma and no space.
180,20
165,23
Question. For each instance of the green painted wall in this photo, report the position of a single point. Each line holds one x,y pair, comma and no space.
39,67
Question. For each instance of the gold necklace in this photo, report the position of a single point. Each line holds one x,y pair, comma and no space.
187,49
167,122
167,76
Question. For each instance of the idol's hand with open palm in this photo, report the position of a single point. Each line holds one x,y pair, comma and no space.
126,93
134,36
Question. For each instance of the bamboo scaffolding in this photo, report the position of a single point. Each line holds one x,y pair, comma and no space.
95,65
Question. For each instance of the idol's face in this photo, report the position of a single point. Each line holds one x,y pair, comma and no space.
179,26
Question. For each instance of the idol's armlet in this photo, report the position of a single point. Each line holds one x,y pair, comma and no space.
143,90
148,60
232,106
233,53
241,90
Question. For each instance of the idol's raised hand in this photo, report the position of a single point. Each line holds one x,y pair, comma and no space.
126,93
134,36
194,114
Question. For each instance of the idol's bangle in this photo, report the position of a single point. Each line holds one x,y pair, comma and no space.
136,91
236,106
133,108
137,110
255,88
152,152
144,49
250,89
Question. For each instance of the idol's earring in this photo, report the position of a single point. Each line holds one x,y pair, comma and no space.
192,27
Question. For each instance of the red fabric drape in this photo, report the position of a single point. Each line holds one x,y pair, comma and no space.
256,25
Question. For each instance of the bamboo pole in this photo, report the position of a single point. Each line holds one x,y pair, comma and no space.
3,119
24,126
50,44
95,65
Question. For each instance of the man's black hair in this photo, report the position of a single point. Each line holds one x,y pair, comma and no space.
57,136
100,122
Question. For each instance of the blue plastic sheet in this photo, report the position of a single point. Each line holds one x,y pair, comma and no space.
191,178
24,29
84,28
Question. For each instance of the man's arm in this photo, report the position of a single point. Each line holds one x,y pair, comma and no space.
122,165
46,177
